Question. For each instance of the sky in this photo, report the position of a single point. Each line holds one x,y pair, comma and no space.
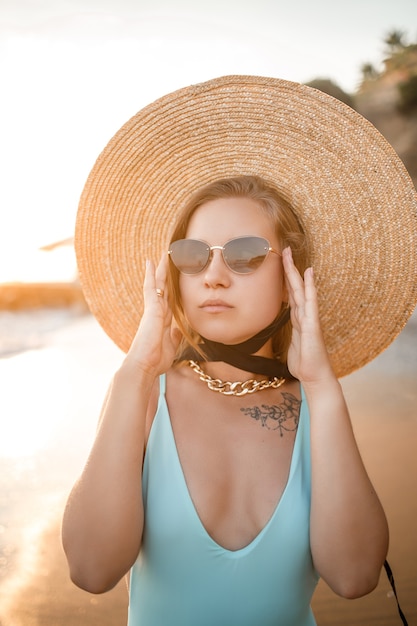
73,71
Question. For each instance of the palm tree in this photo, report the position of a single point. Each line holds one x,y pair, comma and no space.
368,71
395,41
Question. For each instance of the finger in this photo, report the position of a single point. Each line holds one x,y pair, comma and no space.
293,279
149,280
162,271
153,289
310,290
291,272
161,278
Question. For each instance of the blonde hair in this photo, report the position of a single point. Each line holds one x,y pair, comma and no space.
287,228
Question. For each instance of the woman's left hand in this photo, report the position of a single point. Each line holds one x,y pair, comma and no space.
308,359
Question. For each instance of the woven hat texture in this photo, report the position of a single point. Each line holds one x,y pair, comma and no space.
350,190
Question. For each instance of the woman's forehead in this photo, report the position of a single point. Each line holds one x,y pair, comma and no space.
225,218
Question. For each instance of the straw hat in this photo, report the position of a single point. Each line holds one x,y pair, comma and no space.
348,187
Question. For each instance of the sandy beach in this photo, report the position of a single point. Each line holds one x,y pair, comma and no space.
51,396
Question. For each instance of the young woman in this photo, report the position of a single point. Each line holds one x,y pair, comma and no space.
225,475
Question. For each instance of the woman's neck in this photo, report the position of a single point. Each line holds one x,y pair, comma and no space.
226,371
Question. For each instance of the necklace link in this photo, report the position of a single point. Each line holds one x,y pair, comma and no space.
237,388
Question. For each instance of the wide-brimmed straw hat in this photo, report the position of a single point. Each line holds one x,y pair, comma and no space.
349,189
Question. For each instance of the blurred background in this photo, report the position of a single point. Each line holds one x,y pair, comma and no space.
71,73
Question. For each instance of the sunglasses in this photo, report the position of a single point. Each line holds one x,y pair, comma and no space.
242,255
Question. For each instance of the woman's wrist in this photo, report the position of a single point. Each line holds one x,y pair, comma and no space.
324,387
135,374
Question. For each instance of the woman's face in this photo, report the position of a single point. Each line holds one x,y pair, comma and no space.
219,304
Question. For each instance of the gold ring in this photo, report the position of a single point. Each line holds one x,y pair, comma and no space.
160,293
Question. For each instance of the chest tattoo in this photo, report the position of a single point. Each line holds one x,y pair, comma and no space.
283,417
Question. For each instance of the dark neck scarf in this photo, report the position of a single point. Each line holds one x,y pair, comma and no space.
241,355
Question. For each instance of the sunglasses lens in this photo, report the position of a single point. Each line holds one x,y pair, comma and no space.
189,256
245,254
242,255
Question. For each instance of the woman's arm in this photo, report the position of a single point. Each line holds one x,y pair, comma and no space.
103,521
349,532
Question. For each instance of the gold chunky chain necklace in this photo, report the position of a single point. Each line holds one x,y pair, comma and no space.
237,388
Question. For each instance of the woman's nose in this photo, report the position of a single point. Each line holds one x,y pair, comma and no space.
217,273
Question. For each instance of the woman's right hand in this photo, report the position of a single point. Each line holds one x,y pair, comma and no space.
154,346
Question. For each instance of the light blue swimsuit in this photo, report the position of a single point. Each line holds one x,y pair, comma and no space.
182,577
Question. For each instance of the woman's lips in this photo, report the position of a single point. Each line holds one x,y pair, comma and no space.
215,306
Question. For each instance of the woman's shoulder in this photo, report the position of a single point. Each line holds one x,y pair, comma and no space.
173,378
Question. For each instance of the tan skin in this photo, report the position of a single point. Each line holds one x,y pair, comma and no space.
236,470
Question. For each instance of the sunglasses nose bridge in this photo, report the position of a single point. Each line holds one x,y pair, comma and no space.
211,255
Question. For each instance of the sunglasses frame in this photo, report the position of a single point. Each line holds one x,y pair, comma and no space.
210,249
